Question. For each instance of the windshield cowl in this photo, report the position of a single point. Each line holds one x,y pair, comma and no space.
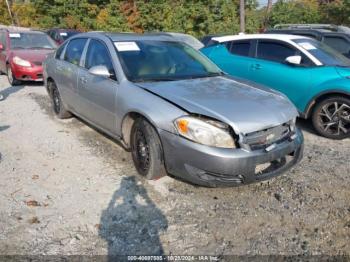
160,79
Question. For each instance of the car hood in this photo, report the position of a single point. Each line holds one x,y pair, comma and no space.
32,55
245,107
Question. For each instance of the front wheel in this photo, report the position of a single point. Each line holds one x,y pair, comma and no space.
331,118
11,78
146,150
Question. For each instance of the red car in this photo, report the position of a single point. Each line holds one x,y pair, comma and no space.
22,54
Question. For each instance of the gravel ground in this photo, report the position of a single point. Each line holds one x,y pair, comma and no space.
67,189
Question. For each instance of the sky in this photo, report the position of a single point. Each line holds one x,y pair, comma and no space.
263,2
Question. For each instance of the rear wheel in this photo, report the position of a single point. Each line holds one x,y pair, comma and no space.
11,78
58,107
146,150
331,117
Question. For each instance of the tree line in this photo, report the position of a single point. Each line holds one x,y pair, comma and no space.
196,17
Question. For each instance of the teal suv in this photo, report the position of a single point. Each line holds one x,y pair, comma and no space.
312,75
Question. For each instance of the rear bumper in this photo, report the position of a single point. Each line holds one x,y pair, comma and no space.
209,166
34,73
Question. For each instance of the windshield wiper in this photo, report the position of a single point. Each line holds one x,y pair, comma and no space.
207,75
40,47
155,79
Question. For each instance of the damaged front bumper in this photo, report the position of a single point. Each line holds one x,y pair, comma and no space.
213,167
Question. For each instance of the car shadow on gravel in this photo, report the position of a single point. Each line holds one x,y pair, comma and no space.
5,93
131,223
3,128
306,125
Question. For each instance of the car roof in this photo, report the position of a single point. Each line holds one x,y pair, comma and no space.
65,30
138,37
25,31
283,37
158,36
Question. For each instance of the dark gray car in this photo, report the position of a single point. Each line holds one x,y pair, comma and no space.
174,109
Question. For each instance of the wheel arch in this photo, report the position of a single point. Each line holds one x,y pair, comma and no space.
48,86
320,97
127,123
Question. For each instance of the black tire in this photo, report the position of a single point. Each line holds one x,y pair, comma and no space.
11,78
146,150
57,104
331,117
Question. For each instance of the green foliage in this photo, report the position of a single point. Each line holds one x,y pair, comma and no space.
4,15
295,12
336,12
196,17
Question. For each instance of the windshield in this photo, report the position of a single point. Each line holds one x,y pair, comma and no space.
325,54
163,61
31,41
188,39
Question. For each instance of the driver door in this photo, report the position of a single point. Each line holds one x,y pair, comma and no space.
98,93
269,68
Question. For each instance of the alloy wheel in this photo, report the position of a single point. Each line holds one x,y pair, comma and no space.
334,118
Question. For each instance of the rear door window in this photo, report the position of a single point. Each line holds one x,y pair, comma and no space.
75,50
240,48
274,51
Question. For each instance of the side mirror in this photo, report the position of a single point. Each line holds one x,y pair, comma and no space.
1,47
99,70
293,60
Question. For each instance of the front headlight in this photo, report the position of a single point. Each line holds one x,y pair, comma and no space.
205,131
21,62
292,124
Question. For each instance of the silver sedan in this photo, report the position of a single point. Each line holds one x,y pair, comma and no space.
174,109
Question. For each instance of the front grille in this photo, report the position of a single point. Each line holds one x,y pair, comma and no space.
38,63
264,138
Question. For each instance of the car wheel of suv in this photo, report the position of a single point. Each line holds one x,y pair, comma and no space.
146,150
11,78
58,106
331,117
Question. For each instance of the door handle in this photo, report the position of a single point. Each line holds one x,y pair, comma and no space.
83,80
256,66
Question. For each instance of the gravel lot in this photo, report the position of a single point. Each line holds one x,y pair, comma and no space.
67,189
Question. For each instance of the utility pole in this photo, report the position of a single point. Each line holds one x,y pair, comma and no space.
242,15
267,14
9,10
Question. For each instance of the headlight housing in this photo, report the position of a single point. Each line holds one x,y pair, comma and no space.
205,131
292,124
21,62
